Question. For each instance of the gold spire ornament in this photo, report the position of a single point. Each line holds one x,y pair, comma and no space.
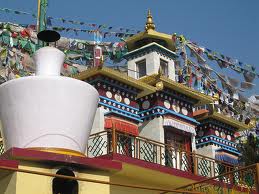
252,123
159,85
149,24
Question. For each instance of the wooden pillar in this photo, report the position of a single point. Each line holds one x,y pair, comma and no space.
257,178
114,139
195,163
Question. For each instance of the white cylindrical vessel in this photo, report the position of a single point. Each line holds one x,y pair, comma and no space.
47,111
49,61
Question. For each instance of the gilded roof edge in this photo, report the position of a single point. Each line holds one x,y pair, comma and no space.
202,98
146,89
150,34
150,45
228,120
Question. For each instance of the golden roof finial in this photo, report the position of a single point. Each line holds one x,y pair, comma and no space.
149,24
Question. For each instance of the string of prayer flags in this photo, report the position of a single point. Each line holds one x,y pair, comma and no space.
247,85
197,53
7,10
233,81
206,83
236,69
249,76
100,27
225,62
222,60
242,98
105,34
16,51
222,63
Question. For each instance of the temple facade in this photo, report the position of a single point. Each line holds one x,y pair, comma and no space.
149,129
149,101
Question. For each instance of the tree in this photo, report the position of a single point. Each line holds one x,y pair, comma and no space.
248,146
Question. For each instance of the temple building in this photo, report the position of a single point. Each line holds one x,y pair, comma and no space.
148,96
216,134
106,131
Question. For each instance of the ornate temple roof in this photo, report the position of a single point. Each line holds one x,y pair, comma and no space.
151,46
145,88
150,35
224,119
160,81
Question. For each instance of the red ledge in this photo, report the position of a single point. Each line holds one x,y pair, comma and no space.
84,162
9,163
152,166
164,169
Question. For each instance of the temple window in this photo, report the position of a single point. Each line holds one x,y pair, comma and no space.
164,67
64,186
141,68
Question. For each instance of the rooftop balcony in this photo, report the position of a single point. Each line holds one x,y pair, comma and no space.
213,172
213,176
172,156
236,181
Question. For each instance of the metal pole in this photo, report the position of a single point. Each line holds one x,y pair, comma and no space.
38,17
42,16
41,20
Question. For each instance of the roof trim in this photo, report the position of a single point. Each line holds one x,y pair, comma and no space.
145,88
201,98
227,120
150,34
153,44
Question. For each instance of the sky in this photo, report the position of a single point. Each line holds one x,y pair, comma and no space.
230,27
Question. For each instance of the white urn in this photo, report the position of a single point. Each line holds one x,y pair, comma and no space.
47,111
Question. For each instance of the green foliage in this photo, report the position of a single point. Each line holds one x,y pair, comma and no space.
249,150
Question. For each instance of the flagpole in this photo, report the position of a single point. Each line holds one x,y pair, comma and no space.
41,20
38,18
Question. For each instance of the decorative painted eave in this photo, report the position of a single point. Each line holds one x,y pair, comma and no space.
227,120
150,34
200,113
150,47
158,80
145,88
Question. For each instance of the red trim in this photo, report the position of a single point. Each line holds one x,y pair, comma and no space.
102,162
9,163
95,163
121,125
200,112
101,91
164,169
152,166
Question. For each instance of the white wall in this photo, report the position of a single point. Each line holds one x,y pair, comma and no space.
152,64
98,124
153,129
208,150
